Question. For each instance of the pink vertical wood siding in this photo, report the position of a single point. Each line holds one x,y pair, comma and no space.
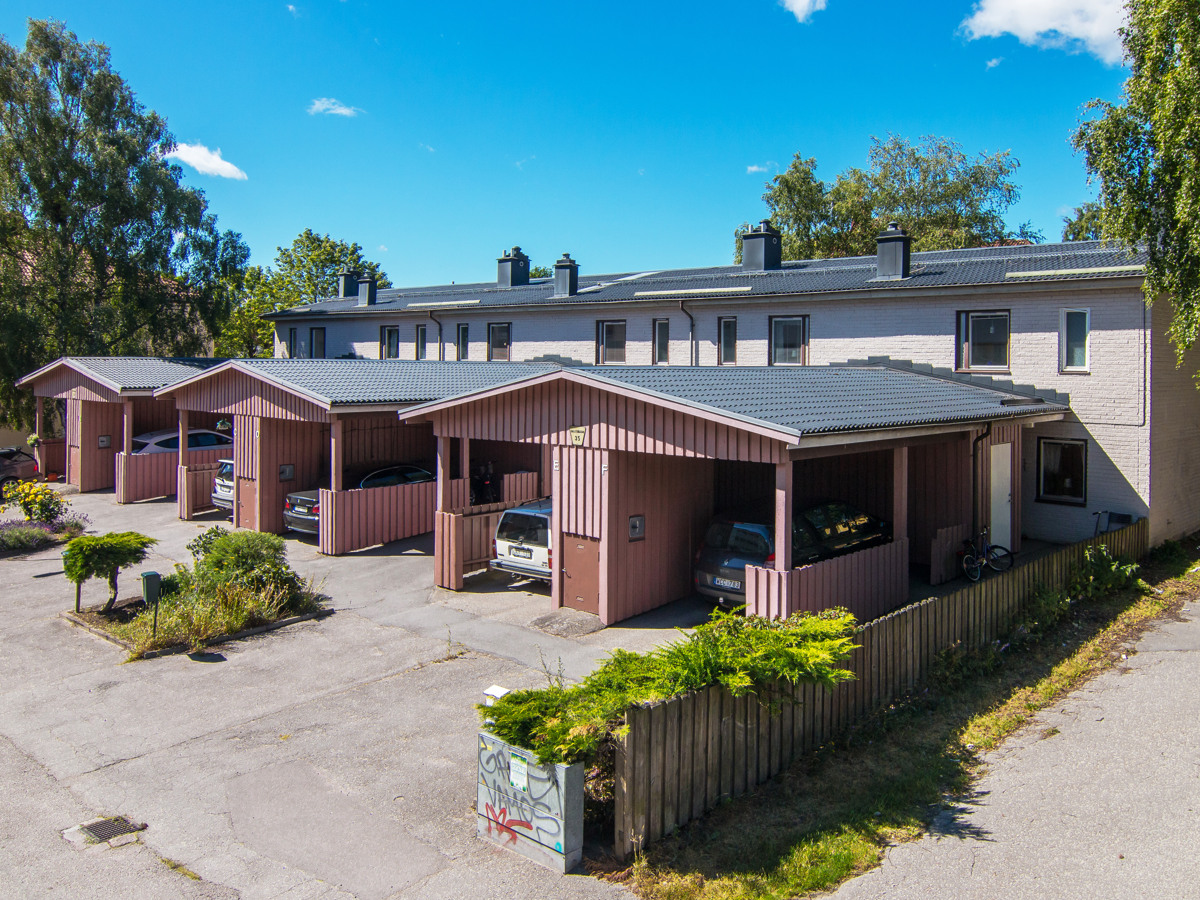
52,457
520,487
945,563
65,383
380,439
579,487
233,393
195,486
354,519
675,497
303,445
545,413
939,492
97,466
869,583
463,543
141,476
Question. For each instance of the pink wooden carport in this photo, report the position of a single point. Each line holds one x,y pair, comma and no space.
302,424
109,400
641,457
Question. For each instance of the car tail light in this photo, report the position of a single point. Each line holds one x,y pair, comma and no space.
494,548
316,510
287,504
550,559
770,560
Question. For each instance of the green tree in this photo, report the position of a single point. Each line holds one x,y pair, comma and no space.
1144,154
1086,223
541,272
303,273
103,250
944,199
103,556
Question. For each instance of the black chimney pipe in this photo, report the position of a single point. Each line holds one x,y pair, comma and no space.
894,249
566,277
762,249
512,269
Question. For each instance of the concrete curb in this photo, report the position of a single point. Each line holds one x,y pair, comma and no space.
219,639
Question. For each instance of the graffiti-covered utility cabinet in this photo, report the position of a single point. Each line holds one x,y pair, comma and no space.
525,806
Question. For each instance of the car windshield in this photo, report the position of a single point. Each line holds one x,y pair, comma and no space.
523,528
139,446
226,470
737,538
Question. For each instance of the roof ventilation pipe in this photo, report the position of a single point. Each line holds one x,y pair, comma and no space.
895,247
366,290
566,277
762,249
512,269
347,284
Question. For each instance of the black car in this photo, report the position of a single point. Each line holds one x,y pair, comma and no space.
818,532
301,509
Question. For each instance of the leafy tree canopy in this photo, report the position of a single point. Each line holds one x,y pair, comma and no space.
943,199
541,272
103,250
1144,154
1086,223
303,273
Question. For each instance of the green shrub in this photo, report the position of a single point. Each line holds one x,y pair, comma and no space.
743,654
1101,574
202,543
103,556
250,559
24,536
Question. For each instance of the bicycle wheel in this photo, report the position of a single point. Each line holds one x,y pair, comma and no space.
1000,559
972,566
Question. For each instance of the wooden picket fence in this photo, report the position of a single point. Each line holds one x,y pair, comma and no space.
462,541
194,487
144,476
944,562
52,457
683,756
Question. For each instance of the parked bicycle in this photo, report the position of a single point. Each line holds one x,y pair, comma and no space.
981,552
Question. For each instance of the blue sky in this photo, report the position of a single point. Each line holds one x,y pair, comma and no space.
633,135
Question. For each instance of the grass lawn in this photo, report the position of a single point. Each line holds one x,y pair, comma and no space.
833,814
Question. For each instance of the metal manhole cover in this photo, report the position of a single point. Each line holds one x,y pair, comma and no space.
107,829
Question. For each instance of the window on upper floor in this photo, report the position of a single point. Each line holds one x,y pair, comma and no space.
1074,330
727,341
983,340
662,341
789,341
462,341
610,343
389,342
291,343
499,341
1062,471
421,343
316,343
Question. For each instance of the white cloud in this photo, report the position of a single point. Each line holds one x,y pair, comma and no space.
992,63
802,9
292,9
205,161
427,147
1072,25
765,167
382,248
330,107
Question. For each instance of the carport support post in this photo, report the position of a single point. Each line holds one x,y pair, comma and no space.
899,493
183,438
39,423
127,426
464,461
336,427
783,516
443,474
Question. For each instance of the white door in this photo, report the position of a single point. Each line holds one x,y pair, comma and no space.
1001,525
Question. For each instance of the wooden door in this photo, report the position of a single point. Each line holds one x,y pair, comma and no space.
581,573
247,504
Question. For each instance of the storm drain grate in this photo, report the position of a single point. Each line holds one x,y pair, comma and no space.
107,829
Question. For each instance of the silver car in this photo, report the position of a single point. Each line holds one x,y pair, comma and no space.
222,492
16,465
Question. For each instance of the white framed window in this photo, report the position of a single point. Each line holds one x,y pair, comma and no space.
462,341
1074,340
610,343
727,341
789,341
316,343
983,340
389,342
662,341
499,341
1062,471
421,343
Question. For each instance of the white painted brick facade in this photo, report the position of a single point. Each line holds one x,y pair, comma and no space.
1110,403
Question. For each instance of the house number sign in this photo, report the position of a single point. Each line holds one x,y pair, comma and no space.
578,433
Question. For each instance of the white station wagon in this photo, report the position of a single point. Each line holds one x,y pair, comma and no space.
167,441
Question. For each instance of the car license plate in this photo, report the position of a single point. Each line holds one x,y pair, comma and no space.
522,552
727,583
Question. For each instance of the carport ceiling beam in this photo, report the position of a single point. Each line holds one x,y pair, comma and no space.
878,435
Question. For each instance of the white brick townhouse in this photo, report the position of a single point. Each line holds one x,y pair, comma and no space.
1064,321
